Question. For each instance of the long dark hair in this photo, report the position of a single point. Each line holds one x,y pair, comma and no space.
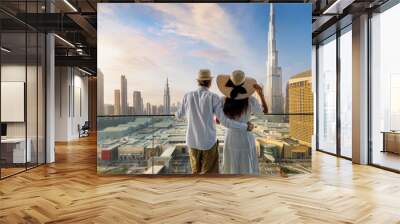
235,108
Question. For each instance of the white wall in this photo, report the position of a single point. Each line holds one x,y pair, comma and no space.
33,126
12,73
79,117
61,99
71,87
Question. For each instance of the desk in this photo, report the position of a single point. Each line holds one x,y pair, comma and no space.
13,150
391,142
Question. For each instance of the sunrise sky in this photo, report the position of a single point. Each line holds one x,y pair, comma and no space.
149,42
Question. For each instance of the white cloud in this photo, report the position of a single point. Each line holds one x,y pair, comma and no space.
148,55
213,55
211,24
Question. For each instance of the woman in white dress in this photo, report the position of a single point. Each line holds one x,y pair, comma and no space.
239,156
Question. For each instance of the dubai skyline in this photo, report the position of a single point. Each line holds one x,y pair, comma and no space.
179,48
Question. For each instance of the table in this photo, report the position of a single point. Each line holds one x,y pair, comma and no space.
391,141
13,150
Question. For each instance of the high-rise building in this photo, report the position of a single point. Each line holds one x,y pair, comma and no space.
173,108
148,108
160,109
287,99
300,102
137,102
274,72
124,95
117,102
108,109
100,93
167,99
131,110
154,110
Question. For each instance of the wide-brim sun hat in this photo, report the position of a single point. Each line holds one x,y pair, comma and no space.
204,74
236,86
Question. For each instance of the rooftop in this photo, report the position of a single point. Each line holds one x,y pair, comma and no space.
306,75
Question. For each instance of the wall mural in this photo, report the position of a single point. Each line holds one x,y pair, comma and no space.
204,88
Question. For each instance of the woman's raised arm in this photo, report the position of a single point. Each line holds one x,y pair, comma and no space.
260,93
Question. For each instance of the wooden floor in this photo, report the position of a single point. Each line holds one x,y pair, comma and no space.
70,191
387,159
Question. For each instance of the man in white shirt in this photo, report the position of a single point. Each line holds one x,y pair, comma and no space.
200,106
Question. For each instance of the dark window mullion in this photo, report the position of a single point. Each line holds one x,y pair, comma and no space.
316,97
37,90
369,98
338,74
26,87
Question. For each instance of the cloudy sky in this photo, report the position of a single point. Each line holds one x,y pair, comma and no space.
149,42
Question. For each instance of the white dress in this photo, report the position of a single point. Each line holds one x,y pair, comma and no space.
239,156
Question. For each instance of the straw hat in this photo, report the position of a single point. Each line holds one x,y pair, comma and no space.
236,86
204,74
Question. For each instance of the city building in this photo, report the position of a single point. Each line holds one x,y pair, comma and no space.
300,100
109,154
108,109
131,110
274,72
137,102
154,110
161,109
124,95
148,108
100,93
167,99
117,102
287,99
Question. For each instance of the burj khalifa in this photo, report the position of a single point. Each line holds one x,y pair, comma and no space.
274,72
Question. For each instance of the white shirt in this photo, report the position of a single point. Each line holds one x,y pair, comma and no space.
200,106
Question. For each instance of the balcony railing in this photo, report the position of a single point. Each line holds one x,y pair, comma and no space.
155,144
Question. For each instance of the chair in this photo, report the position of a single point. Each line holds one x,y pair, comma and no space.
84,130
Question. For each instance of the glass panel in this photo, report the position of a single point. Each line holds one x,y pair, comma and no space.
327,95
13,86
32,84
41,98
22,64
157,145
31,97
385,85
346,93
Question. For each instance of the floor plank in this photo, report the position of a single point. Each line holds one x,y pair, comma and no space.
70,191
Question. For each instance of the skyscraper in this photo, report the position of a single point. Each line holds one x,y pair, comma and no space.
100,93
160,109
154,110
274,72
137,102
167,100
287,99
148,108
108,109
117,102
300,99
131,110
124,95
